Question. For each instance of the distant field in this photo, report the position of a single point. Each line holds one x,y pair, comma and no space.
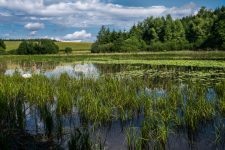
76,46
12,45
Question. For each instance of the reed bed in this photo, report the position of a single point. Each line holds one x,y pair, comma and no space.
166,110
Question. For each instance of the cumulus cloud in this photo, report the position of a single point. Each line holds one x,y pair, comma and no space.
77,36
86,13
34,26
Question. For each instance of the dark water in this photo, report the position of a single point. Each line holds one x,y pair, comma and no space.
112,135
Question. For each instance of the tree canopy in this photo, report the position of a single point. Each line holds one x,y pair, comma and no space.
205,30
43,46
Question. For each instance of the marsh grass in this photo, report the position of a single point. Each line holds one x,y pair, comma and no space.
220,88
134,141
80,140
197,109
101,101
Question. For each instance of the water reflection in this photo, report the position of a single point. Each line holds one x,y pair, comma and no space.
85,70
76,71
53,69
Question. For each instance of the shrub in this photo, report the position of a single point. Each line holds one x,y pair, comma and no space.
96,48
26,47
68,50
46,47
133,44
170,45
2,46
39,47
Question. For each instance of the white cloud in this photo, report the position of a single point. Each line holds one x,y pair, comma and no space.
33,33
34,26
77,36
86,13
5,14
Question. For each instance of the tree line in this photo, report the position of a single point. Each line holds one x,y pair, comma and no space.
203,31
37,46
43,46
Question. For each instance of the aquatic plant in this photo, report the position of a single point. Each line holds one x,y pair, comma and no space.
196,107
134,141
80,140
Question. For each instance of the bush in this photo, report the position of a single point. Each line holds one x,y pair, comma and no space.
2,47
68,50
39,47
94,48
170,46
156,46
46,47
25,48
133,44
97,48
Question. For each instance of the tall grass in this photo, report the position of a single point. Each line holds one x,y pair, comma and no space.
170,107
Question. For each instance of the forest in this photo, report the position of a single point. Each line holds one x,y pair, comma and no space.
203,31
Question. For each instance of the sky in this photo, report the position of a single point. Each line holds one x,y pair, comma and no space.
80,20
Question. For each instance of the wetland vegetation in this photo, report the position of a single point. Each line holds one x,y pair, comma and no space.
111,106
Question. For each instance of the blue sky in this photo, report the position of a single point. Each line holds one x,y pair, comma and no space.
80,20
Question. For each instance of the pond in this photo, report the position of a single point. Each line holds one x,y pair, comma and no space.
111,106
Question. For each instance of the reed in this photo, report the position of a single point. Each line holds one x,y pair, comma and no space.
134,141
165,107
196,108
220,88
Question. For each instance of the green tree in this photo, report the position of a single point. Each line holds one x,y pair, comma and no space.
46,46
37,47
25,48
203,30
103,36
2,45
136,31
133,44
218,33
153,35
168,28
158,26
178,31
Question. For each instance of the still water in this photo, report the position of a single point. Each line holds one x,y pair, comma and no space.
113,136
